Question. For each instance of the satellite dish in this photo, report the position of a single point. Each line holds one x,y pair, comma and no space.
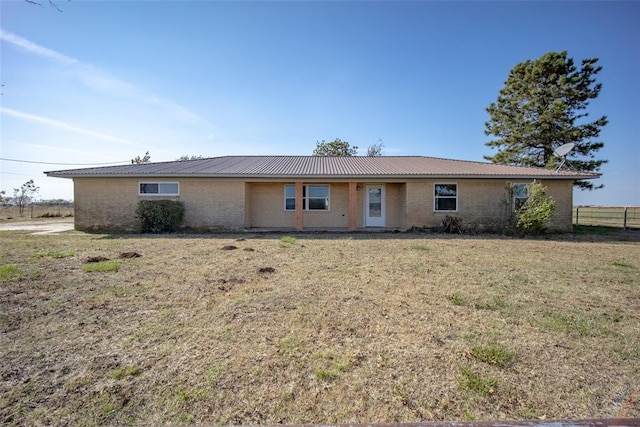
562,151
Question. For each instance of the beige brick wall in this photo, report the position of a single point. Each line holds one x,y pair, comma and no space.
338,213
215,205
562,193
395,206
266,206
105,204
482,203
109,204
267,210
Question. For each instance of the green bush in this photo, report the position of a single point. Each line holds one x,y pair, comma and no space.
158,216
534,215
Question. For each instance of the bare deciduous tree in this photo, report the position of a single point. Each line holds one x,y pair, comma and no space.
23,195
51,3
375,150
140,160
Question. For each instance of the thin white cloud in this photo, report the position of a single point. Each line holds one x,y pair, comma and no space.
63,125
31,47
101,81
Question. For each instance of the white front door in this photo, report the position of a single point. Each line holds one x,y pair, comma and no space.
374,211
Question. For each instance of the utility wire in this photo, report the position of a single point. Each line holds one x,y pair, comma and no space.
11,173
64,164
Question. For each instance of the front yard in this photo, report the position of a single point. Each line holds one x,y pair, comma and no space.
326,328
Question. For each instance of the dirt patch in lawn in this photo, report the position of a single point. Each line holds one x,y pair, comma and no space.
340,329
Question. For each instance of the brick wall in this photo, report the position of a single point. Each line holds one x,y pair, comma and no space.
109,204
266,207
105,204
482,203
562,192
214,205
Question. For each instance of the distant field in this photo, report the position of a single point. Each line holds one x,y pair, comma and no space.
317,328
607,216
36,211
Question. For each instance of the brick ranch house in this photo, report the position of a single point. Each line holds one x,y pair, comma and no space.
238,193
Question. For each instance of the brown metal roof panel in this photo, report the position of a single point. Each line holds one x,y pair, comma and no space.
290,166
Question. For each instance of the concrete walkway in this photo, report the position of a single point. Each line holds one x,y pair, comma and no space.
39,225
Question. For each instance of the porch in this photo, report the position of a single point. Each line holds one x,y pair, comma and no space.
316,206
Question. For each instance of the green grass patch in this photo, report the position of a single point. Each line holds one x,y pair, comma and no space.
9,272
496,303
468,379
457,299
289,345
622,264
574,324
419,247
126,371
55,254
288,239
103,266
493,354
330,366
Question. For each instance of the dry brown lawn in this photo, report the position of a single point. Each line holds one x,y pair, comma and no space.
326,328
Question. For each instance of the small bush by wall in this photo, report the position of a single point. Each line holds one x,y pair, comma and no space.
158,216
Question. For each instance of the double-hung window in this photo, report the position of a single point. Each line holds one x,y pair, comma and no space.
445,197
314,197
520,195
159,189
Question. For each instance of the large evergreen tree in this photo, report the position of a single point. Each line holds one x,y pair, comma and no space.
542,106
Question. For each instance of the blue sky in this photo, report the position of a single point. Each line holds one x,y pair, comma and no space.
105,81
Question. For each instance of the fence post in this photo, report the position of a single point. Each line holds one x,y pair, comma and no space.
577,215
624,225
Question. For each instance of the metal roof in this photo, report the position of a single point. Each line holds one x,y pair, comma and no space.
323,167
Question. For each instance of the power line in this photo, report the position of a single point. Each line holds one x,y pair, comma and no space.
64,164
11,173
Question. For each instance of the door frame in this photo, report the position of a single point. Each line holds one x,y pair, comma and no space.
380,221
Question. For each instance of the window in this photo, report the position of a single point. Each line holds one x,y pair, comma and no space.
159,189
520,195
290,197
314,197
445,197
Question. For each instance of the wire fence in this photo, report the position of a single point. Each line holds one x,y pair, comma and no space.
607,216
37,210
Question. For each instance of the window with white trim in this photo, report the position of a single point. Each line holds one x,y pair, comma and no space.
159,189
445,197
520,195
314,197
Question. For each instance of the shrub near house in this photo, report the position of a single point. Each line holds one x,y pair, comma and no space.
157,216
534,214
